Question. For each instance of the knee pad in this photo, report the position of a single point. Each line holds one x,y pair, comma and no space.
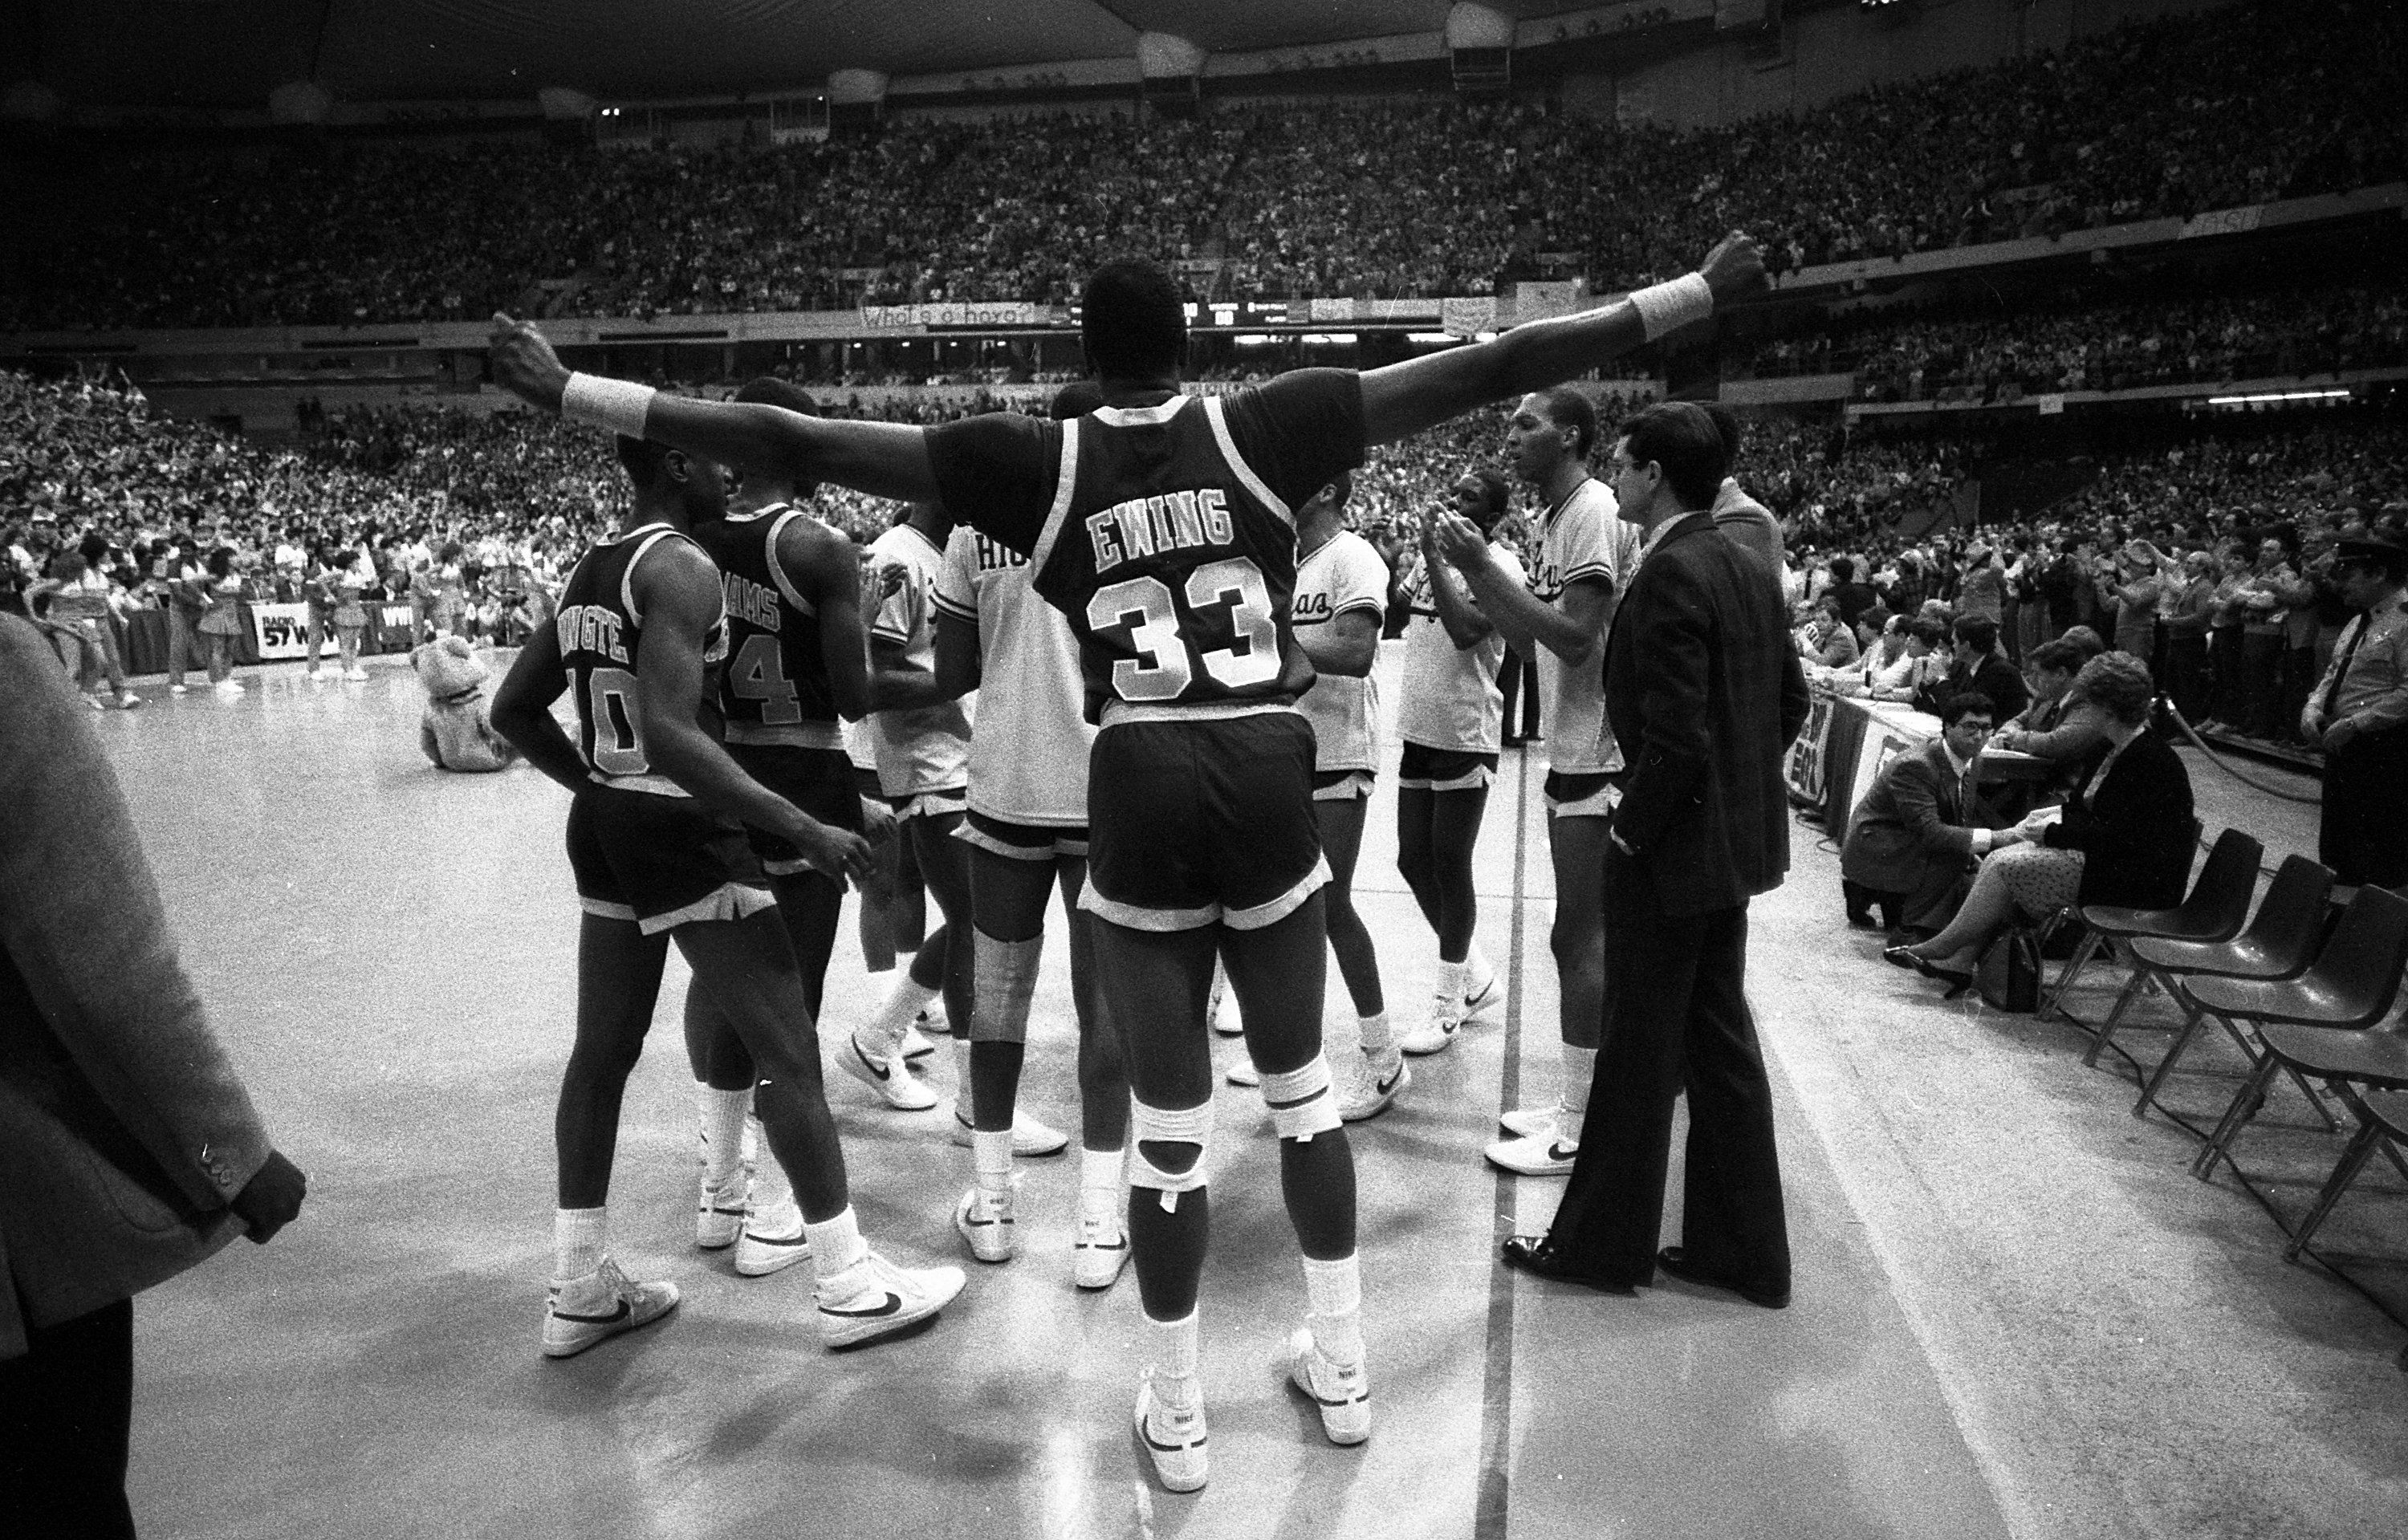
1004,974
1302,1101
1159,1126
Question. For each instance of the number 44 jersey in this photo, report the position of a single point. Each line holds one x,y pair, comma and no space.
774,688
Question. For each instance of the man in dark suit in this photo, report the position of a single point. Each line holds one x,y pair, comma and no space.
1978,666
1704,690
1916,834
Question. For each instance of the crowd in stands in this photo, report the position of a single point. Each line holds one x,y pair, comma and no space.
2194,112
2077,344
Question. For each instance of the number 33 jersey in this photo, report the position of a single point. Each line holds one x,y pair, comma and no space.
1164,532
600,628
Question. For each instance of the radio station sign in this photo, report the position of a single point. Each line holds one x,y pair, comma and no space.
950,315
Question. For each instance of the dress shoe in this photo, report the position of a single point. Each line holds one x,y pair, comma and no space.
1900,957
1676,1262
1957,982
1540,1256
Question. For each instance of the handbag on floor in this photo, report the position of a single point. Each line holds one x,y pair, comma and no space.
2008,972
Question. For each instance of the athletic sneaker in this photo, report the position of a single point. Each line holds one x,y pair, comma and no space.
874,1298
917,1043
229,686
890,1076
180,689
1243,1072
773,1240
1174,1438
984,1220
581,1312
127,699
98,703
1437,1034
719,1214
316,676
1028,1135
1530,1123
1483,1005
1101,1249
1367,1088
1545,1153
1344,1392
355,673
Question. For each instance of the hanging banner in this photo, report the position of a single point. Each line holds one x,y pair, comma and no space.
1464,317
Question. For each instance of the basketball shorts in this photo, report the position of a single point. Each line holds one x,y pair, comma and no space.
1423,768
1022,841
1579,795
1194,822
817,780
661,861
1341,785
911,805
865,782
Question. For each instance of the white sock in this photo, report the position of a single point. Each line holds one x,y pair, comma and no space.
1172,1346
722,1114
1099,1177
771,1188
991,1159
894,1016
1451,981
836,1244
1374,1031
1477,973
1333,1292
1571,1101
578,1240
964,1099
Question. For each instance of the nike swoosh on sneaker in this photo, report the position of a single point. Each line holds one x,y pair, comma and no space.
893,1305
799,1237
1557,1152
622,1313
1101,1245
870,1064
1384,1087
1146,1433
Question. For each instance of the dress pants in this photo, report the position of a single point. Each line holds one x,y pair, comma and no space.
64,1407
1676,1018
2364,834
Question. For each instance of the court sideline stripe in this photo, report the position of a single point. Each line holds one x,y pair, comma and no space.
1497,1383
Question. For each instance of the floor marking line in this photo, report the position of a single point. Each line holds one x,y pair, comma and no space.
1496,1380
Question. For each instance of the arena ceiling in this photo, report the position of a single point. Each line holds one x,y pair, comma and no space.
232,54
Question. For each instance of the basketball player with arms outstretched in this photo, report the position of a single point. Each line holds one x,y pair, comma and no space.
1163,525
638,619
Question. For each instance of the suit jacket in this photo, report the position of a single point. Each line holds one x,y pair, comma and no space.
2134,829
1704,693
125,1132
1993,677
1917,813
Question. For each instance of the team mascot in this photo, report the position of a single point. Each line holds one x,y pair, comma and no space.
454,732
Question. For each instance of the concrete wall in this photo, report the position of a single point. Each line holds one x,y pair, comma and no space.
1835,52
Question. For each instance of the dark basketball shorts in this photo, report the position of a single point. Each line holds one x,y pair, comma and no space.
659,861
1022,841
1423,768
1579,796
864,781
1202,818
1342,785
820,781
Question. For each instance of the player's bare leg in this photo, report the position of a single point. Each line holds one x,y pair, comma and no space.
1369,1078
1436,834
1543,1140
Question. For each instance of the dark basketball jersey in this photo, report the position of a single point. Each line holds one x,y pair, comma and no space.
600,629
774,688
1173,560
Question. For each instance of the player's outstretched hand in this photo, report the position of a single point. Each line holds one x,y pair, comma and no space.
835,852
1457,540
524,364
272,1198
1734,268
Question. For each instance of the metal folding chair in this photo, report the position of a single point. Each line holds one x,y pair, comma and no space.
2216,910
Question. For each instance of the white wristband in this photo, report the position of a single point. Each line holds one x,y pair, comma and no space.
618,405
1668,307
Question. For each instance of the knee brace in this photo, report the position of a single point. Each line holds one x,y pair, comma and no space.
1153,1125
1004,975
1302,1101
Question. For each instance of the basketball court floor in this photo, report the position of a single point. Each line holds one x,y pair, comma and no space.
2013,1315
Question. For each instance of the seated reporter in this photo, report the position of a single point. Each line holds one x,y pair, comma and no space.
2125,837
1915,837
2043,730
1977,664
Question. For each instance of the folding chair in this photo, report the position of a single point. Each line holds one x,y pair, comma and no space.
2280,943
2349,988
2382,1123
2216,910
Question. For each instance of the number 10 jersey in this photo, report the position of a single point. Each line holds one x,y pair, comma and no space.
600,629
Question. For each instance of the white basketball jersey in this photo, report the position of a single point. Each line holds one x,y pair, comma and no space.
1450,699
925,749
1582,537
1343,576
1028,751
